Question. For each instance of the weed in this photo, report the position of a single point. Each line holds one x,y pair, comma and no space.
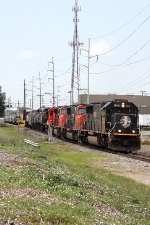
58,184
146,142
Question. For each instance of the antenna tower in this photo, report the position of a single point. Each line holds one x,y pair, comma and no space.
75,44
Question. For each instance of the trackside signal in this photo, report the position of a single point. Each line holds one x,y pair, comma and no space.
21,123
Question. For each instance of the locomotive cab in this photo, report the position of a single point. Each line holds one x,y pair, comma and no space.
61,120
80,117
63,117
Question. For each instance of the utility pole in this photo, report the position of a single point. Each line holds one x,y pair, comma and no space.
40,89
32,90
18,108
40,92
24,95
70,96
24,114
88,101
75,44
78,82
88,88
53,81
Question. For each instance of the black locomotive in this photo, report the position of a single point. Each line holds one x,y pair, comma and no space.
113,124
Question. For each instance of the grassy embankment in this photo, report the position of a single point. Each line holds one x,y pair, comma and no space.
59,184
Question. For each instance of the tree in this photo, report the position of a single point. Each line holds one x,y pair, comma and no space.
2,102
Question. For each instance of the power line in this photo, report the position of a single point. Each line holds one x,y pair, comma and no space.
124,24
64,72
130,85
137,82
125,60
125,64
123,40
139,86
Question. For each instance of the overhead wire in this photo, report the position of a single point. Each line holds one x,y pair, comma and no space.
137,82
123,24
123,40
140,86
130,85
64,72
125,64
125,60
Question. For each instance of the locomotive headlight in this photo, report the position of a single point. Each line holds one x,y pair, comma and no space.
133,131
123,105
119,131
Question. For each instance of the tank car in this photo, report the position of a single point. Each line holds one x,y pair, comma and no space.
42,121
18,116
30,119
36,123
7,119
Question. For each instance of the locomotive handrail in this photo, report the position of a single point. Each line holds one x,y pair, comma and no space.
114,126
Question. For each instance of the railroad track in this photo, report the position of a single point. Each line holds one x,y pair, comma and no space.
137,156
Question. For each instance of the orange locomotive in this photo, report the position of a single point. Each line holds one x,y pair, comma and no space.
69,121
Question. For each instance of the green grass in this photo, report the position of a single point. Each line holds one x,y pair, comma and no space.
146,142
58,184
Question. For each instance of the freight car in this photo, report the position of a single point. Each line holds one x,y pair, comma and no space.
37,119
13,118
112,124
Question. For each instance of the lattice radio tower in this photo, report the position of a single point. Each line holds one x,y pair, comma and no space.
75,44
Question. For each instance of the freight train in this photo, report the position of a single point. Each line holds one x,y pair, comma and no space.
108,124
13,118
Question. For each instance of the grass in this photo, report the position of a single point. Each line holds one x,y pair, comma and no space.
59,184
145,142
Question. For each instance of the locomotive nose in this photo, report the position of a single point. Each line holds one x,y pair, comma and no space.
122,123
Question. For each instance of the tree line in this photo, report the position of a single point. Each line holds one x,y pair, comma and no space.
2,102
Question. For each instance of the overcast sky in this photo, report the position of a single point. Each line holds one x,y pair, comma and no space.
34,31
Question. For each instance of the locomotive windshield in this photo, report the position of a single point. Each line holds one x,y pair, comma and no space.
110,111
81,111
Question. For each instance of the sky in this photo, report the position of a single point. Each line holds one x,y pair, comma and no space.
34,33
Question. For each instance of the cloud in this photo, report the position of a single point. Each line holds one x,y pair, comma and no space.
28,55
99,48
